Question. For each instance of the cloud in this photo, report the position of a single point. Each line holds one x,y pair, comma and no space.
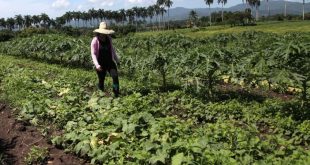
80,7
123,3
103,2
141,1
60,4
107,3
135,1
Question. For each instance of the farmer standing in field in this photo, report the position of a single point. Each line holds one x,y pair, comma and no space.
104,57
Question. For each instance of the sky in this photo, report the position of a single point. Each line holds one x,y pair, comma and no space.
55,8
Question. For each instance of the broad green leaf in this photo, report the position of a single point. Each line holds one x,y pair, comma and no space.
177,159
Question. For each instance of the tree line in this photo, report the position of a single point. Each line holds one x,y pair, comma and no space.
133,16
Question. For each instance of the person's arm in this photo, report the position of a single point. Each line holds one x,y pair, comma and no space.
94,51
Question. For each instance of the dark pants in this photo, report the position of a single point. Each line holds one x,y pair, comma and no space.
113,72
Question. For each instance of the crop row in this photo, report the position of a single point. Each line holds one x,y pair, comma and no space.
250,59
156,128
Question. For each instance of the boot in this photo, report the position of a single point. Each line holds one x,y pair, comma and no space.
116,90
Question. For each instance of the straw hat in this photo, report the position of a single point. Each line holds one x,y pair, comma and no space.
103,29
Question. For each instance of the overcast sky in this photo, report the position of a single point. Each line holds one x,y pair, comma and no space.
55,8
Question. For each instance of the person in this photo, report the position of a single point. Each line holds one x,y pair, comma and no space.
104,57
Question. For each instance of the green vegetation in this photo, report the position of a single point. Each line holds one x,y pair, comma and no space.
173,109
189,96
272,27
6,35
198,65
157,127
153,17
52,48
37,155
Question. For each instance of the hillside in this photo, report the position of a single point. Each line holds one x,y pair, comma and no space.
276,7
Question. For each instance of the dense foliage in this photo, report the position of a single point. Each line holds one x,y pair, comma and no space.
51,48
155,128
249,58
173,109
6,35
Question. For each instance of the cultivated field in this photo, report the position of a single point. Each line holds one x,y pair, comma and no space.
220,95
270,26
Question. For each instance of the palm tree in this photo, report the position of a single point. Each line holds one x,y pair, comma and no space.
116,16
151,12
3,23
77,16
68,17
122,13
161,4
285,7
303,9
93,14
256,4
162,11
45,19
248,15
28,20
157,12
223,2
36,19
52,23
168,4
108,15
60,21
144,14
137,15
101,14
193,16
209,2
97,17
131,16
10,23
19,21
85,17
269,7
247,9
74,17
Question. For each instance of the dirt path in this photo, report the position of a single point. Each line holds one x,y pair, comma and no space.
16,139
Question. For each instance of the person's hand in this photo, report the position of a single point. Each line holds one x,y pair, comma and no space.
99,69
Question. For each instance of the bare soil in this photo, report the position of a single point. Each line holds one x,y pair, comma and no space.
16,139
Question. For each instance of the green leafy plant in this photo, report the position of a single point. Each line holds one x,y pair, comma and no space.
149,126
37,155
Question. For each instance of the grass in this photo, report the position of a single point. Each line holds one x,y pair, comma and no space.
273,27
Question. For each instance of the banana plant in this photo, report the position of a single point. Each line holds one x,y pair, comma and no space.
294,57
160,63
209,68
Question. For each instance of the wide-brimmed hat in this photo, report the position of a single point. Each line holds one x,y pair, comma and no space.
103,29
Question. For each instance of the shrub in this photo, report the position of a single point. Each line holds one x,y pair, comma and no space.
123,30
6,35
28,32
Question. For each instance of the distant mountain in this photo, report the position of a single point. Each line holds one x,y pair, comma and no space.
276,7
